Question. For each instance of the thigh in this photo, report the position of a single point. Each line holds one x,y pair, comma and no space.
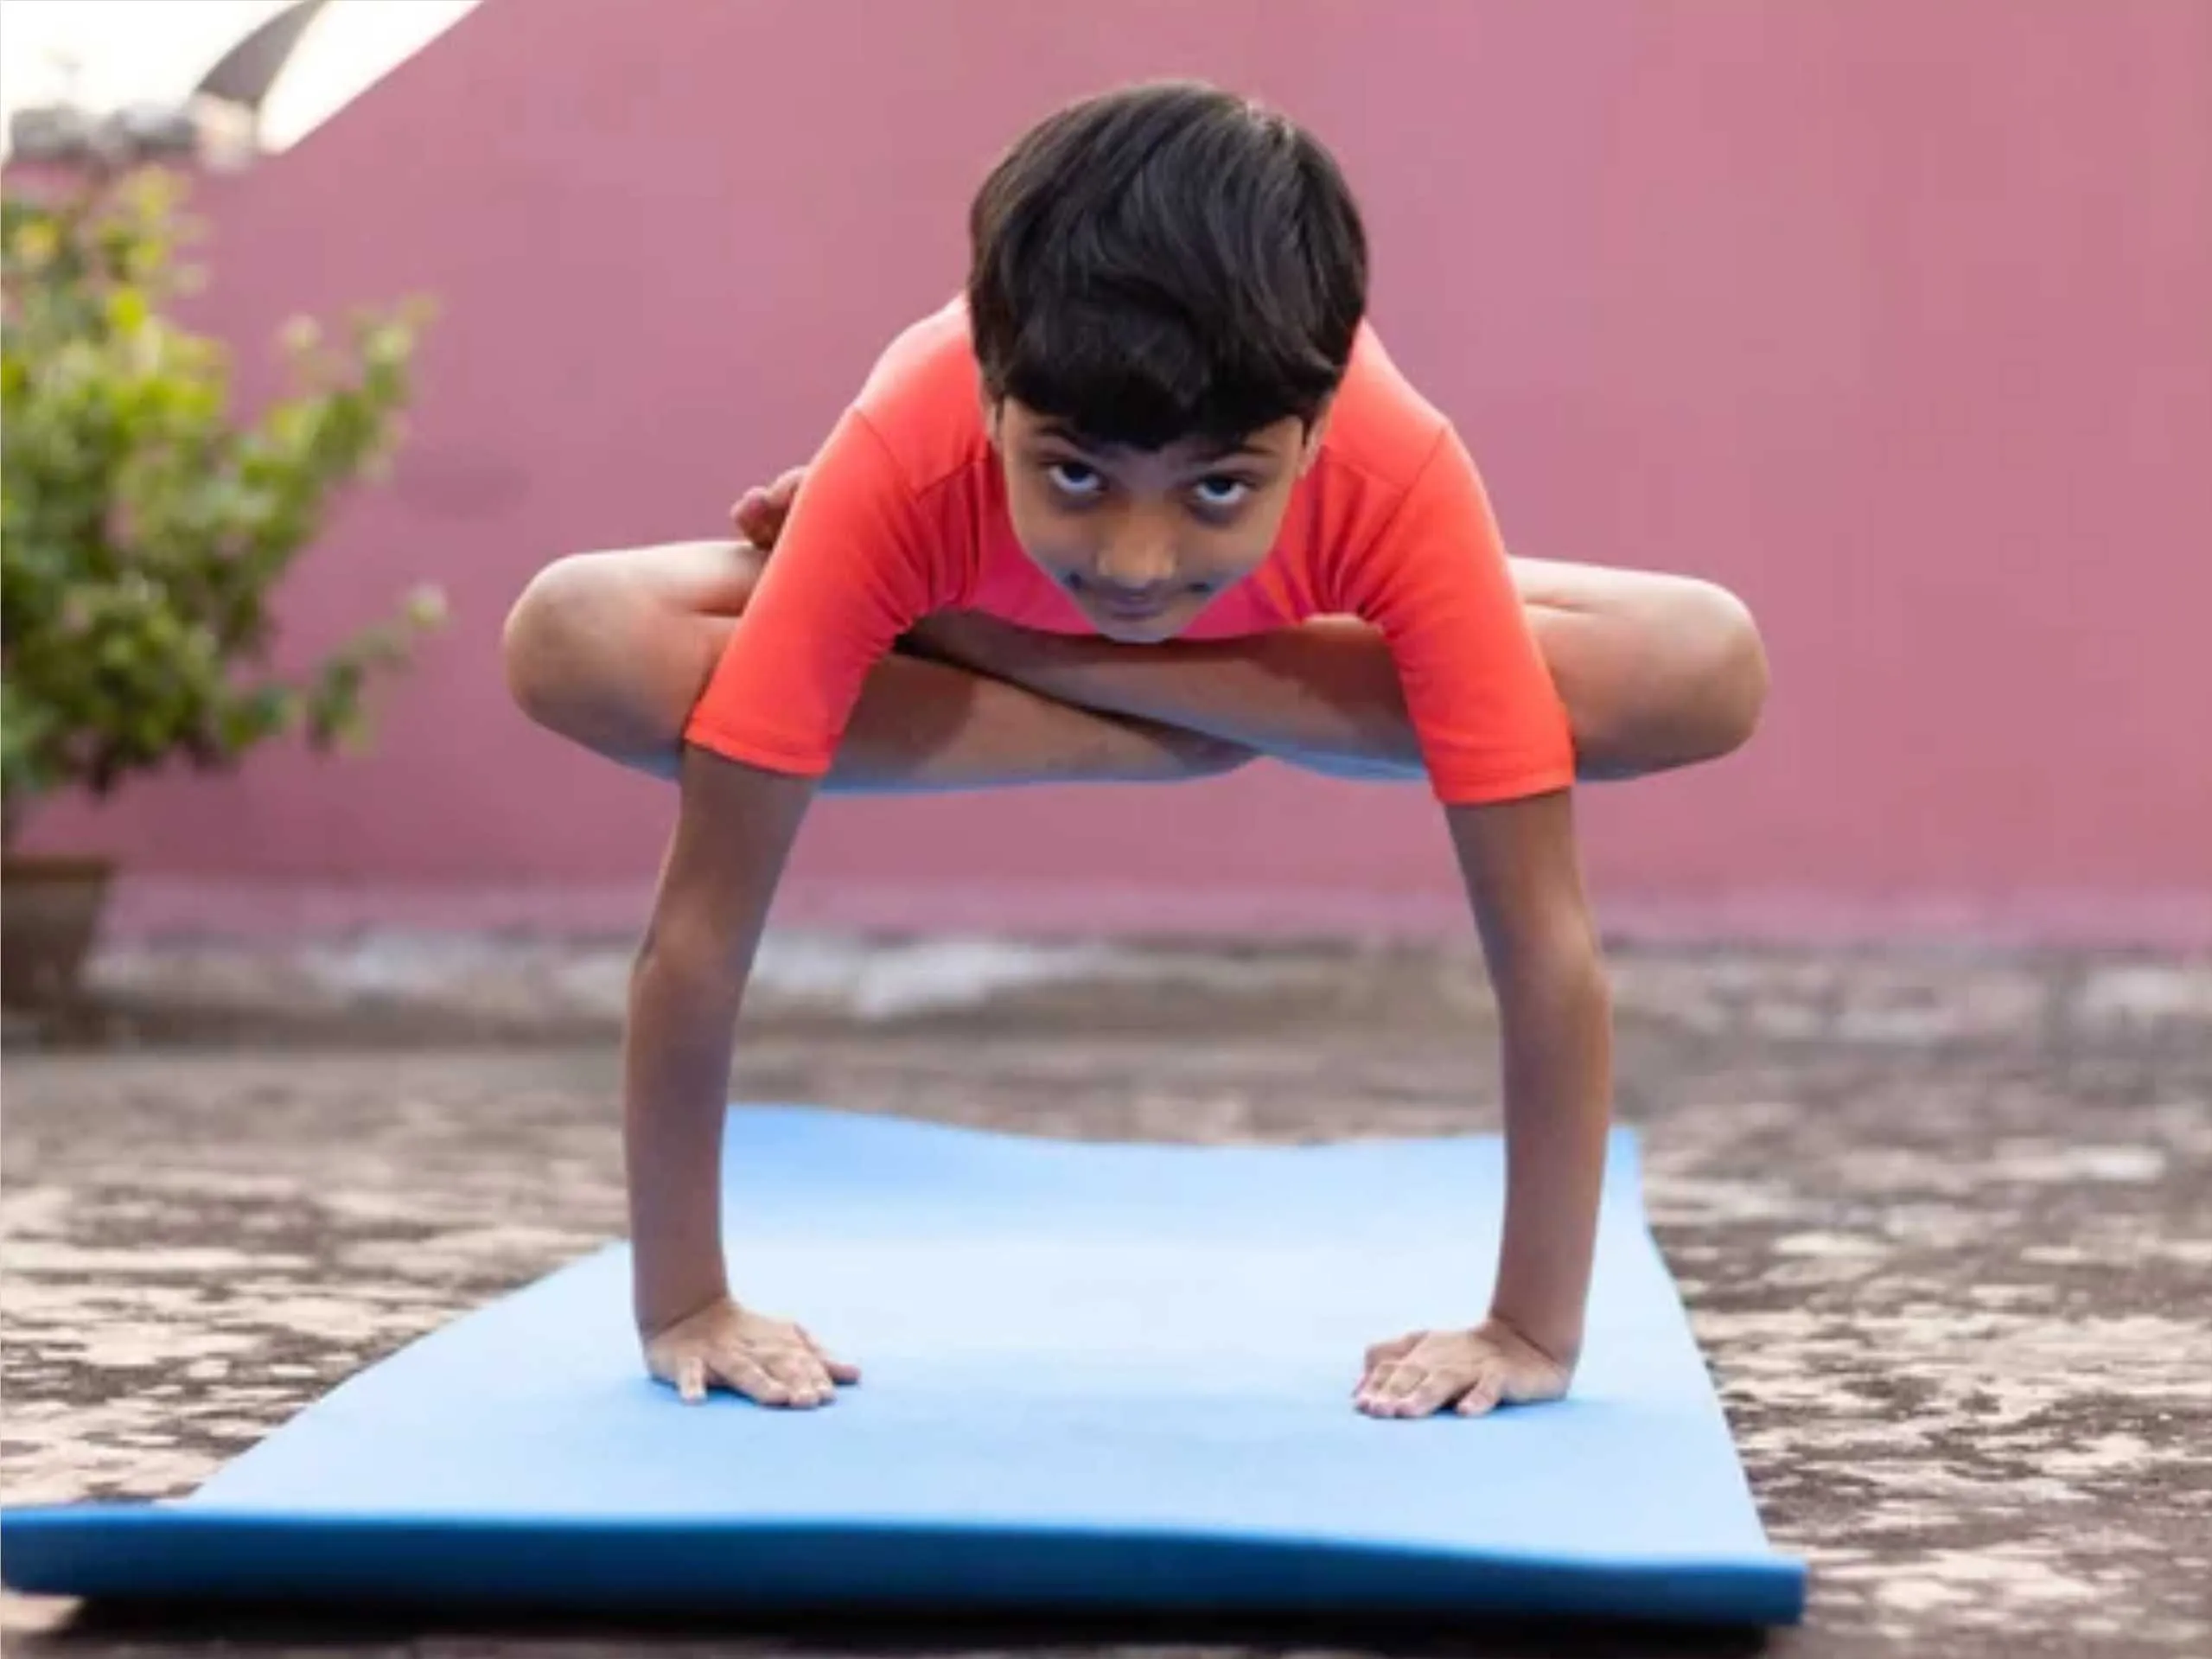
706,578
612,647
666,610
704,586
1593,589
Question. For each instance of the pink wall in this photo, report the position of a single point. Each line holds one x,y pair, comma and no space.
1893,318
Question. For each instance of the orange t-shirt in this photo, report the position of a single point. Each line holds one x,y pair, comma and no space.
903,512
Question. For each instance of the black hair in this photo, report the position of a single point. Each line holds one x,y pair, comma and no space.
1163,262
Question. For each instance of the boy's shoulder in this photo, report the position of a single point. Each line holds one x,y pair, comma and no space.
1380,425
922,397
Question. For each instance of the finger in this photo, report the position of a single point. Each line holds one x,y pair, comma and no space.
756,524
691,1379
1390,1384
1402,1378
1433,1393
786,487
817,1371
839,1370
800,1372
1382,1358
1406,1386
1397,1349
741,1371
797,1368
1483,1393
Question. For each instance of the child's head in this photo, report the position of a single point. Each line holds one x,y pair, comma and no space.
1165,285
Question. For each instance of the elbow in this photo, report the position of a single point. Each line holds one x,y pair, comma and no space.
681,965
1579,978
1561,971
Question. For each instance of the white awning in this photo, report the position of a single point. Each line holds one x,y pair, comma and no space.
106,55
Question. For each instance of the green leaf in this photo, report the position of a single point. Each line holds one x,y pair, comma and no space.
144,529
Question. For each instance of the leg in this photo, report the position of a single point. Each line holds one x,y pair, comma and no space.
1656,672
611,649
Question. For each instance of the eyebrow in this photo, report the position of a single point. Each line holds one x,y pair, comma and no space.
1067,432
1232,448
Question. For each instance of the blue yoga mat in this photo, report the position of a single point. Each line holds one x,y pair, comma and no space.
1098,1376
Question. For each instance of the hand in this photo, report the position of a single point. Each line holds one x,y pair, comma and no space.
759,513
1420,1374
771,1360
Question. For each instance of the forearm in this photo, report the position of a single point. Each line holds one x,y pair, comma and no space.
675,1071
1325,691
733,832
1557,1017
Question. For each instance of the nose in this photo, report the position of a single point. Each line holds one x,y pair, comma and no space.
1136,564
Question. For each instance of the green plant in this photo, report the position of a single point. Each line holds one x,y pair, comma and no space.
144,528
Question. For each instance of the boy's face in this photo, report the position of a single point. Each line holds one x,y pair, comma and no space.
1145,540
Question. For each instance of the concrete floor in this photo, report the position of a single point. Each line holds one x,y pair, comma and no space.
1944,1224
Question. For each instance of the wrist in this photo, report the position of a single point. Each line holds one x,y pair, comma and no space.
669,1299
1556,1339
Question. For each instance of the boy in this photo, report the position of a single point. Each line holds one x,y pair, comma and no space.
1156,414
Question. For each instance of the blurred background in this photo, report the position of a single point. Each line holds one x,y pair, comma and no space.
1892,319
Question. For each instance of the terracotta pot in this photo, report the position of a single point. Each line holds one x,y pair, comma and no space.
50,912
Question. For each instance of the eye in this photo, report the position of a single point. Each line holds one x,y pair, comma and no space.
1219,493
1075,479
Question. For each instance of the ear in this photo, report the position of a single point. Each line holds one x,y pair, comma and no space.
993,411
1317,431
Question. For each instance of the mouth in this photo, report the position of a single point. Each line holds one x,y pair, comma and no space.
1134,624
1123,610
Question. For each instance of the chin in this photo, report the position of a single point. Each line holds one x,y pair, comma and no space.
1152,631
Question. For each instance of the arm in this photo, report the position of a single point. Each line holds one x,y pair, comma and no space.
1318,692
734,832
1524,881
858,568
1555,1022
1324,692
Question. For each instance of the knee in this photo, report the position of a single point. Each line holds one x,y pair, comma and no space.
1723,663
547,630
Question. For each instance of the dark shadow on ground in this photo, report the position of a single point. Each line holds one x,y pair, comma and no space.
141,1630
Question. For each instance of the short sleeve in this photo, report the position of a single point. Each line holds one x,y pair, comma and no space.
1435,581
851,571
